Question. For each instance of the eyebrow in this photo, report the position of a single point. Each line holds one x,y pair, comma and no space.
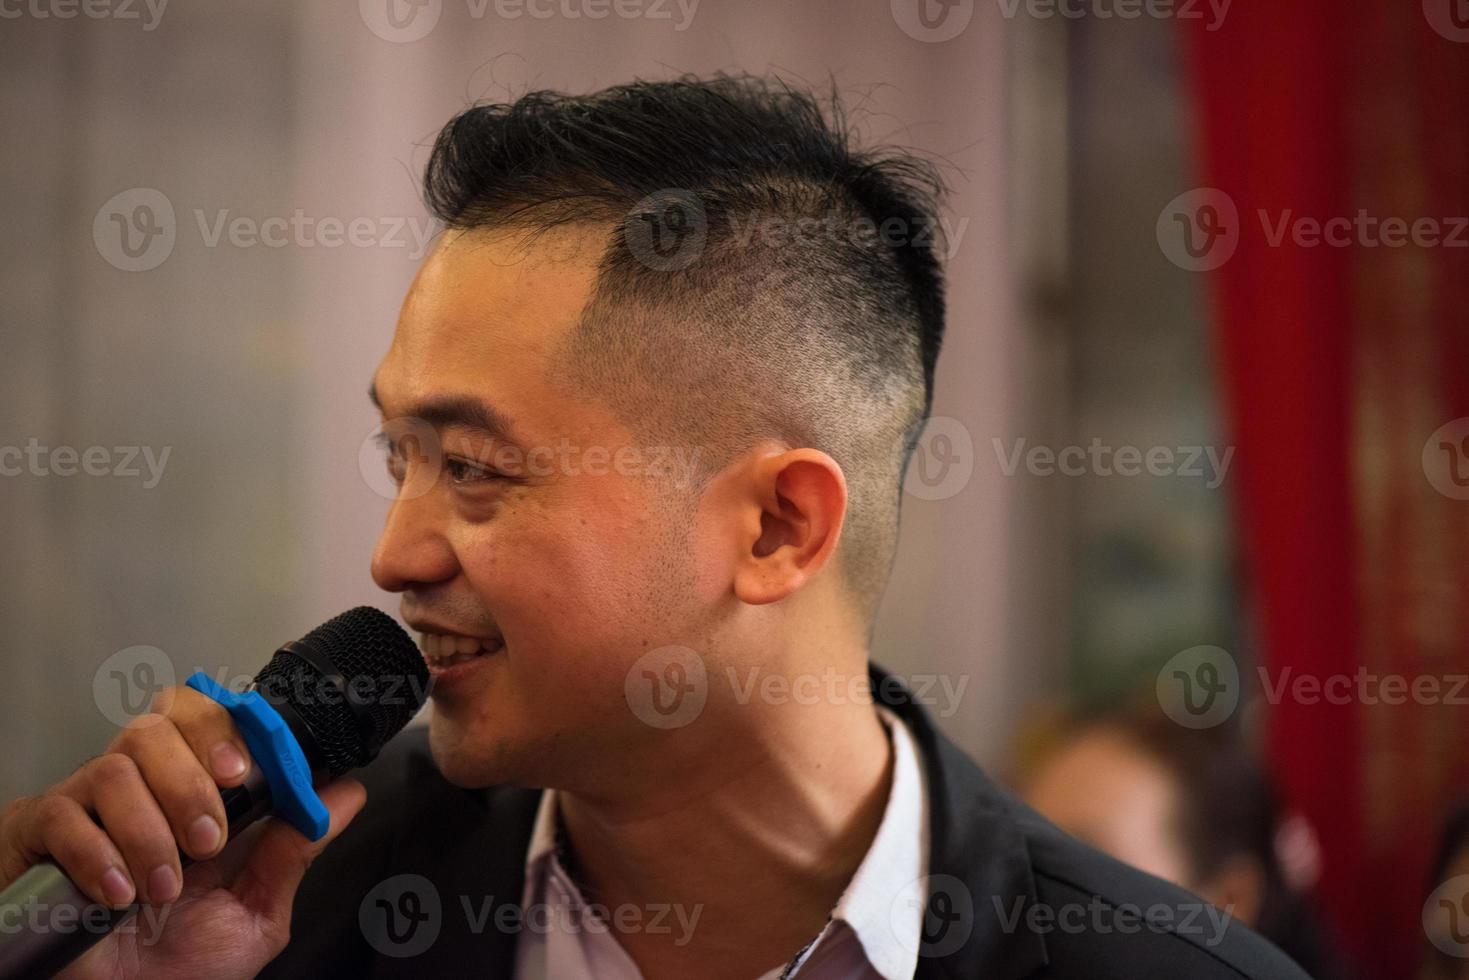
457,411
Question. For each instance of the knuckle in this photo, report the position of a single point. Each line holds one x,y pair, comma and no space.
138,730
114,770
71,840
196,789
52,811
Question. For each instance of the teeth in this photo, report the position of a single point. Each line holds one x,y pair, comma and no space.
444,649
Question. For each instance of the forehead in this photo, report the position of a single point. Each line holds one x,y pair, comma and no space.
487,314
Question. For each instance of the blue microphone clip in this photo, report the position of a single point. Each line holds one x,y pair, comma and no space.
276,752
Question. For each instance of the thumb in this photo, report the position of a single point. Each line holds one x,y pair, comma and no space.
267,883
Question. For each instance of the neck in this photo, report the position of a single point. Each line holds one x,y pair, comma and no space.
751,838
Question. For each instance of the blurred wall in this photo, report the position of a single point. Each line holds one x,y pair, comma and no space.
249,363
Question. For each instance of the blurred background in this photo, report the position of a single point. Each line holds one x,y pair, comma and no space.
1201,439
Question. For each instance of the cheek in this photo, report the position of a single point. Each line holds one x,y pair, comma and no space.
570,591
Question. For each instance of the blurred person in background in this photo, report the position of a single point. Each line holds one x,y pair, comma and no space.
1191,806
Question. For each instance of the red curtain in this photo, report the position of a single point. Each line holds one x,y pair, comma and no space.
1338,363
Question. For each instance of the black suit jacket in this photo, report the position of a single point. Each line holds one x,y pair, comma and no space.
424,883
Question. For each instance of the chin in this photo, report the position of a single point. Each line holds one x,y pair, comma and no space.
466,761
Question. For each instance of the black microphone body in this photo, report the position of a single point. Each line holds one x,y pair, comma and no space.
337,727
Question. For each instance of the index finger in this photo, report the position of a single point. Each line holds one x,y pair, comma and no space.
210,732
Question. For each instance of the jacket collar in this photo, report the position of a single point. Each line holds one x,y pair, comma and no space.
979,863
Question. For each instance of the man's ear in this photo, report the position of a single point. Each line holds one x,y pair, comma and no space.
796,502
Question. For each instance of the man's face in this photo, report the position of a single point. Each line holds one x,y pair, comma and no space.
532,534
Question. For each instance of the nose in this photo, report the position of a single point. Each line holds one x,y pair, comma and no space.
412,549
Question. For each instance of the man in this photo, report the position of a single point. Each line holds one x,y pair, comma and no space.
649,404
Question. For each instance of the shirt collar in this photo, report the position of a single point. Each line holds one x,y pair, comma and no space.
890,931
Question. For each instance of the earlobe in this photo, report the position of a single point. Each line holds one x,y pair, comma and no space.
801,498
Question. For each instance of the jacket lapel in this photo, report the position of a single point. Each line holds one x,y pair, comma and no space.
475,879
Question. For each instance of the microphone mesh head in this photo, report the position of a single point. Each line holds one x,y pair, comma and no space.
386,683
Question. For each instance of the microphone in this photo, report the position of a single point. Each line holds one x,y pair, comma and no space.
323,705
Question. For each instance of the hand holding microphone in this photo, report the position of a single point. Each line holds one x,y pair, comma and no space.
177,783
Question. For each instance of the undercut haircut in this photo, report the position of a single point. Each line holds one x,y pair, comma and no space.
763,278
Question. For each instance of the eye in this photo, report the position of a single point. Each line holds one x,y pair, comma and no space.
462,472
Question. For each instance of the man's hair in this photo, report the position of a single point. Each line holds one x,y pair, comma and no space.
762,278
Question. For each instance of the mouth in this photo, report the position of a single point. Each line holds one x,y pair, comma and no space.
444,650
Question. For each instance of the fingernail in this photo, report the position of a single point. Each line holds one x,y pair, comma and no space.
116,888
203,834
227,761
162,884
